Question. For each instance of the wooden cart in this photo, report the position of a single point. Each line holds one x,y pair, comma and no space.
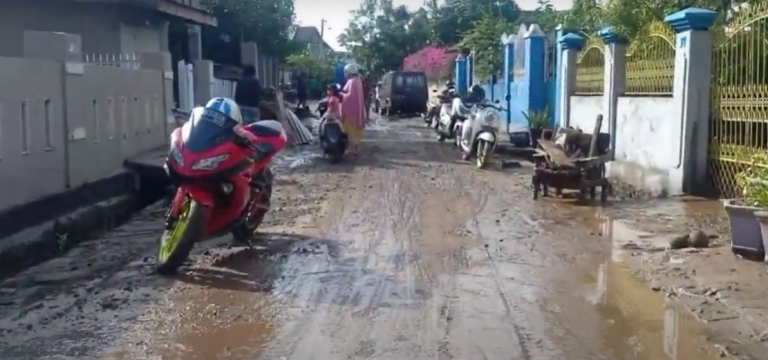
556,168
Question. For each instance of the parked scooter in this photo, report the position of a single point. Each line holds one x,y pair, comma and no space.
451,117
478,135
432,116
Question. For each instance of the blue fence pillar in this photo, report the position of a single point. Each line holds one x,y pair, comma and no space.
535,62
460,74
508,41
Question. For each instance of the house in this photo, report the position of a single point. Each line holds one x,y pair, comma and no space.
310,37
107,27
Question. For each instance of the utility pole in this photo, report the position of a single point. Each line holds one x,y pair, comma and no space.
322,28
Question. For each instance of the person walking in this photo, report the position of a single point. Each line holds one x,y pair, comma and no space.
302,90
248,94
353,107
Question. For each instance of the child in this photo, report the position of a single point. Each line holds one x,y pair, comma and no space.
334,101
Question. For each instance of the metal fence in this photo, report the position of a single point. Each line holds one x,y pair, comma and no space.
127,61
590,67
651,61
739,98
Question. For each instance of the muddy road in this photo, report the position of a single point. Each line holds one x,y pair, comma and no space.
404,252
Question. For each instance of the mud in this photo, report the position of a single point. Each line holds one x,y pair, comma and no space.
404,252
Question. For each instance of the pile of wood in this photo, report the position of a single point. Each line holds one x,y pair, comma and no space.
576,143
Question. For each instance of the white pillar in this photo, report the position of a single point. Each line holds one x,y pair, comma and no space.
569,45
613,83
691,93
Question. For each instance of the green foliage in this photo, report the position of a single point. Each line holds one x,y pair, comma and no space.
266,22
754,181
628,17
455,18
586,16
538,119
546,17
484,40
381,34
306,63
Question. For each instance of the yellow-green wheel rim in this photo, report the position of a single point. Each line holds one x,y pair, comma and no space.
171,238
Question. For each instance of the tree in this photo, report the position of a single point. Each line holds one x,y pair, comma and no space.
585,16
381,35
484,40
307,63
547,17
266,22
454,19
434,61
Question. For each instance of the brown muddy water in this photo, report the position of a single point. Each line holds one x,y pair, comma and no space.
405,252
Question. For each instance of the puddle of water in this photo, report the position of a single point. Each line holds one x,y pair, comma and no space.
639,323
378,123
294,158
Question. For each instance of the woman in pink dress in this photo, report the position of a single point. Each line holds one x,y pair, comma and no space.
353,107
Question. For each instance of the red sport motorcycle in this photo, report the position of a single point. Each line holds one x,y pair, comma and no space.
223,181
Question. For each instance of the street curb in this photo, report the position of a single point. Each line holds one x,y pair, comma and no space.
53,238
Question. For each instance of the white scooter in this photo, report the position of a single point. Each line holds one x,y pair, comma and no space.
451,117
478,134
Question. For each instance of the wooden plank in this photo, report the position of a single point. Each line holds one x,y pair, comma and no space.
595,133
556,154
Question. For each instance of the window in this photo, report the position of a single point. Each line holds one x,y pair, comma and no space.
24,128
96,122
410,80
111,114
47,124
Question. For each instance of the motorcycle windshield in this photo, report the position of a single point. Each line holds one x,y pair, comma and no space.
207,129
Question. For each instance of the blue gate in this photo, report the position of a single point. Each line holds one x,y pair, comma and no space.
527,82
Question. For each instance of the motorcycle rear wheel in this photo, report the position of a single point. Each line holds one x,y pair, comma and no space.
244,231
177,242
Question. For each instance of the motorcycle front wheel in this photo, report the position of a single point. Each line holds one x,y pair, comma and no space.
483,153
180,237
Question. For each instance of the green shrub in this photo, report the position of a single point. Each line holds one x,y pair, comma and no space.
754,181
538,119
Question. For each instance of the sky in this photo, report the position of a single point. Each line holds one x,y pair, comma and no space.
337,16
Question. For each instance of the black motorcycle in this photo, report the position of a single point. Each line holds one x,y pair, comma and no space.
333,139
